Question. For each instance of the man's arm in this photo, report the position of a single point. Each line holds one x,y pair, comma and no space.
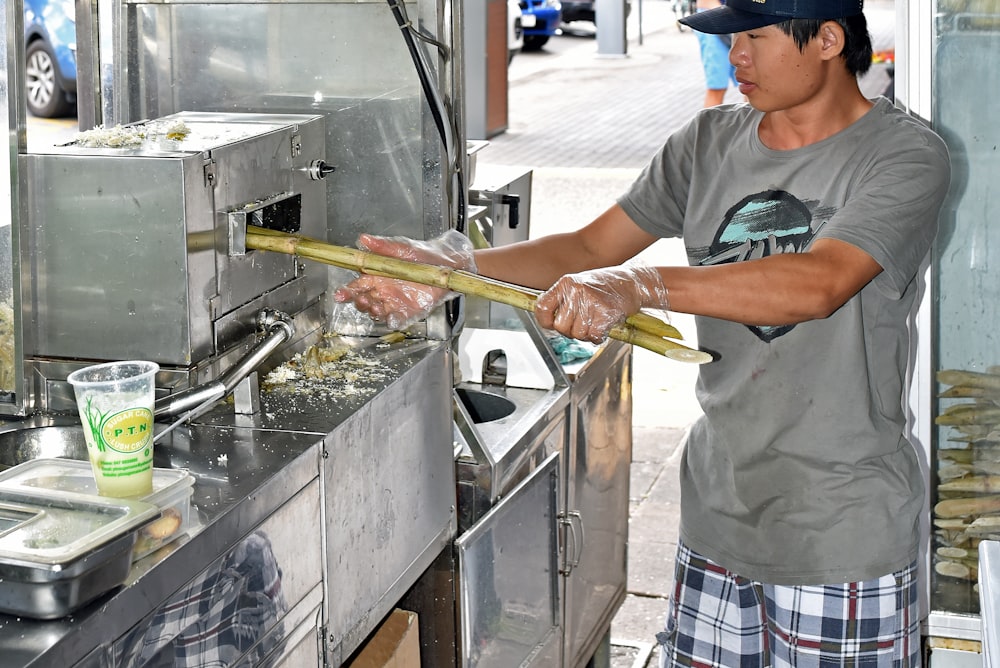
777,290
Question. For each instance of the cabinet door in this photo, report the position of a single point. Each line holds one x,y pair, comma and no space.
241,610
597,503
508,577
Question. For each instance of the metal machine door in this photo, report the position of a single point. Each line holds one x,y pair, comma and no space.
508,578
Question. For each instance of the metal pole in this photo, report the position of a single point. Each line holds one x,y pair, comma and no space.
611,28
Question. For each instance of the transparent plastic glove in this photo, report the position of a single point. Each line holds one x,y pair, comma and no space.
587,305
397,302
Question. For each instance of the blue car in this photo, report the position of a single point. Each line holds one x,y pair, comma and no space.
540,20
50,50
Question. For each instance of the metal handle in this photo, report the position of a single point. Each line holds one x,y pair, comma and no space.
513,203
567,520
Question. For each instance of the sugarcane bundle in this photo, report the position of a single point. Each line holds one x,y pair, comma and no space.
968,506
641,329
968,469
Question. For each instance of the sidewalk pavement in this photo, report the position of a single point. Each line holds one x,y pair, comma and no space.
586,125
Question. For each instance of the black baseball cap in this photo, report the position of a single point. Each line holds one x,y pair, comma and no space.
741,15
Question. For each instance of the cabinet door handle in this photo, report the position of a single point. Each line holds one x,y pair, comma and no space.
572,520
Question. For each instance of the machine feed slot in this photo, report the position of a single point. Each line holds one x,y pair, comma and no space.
282,213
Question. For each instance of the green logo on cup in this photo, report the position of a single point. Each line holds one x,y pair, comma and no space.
129,430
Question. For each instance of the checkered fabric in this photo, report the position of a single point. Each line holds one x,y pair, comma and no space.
719,619
225,617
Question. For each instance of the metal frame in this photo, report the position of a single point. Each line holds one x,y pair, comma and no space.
12,106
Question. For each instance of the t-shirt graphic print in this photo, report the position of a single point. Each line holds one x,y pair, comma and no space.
765,223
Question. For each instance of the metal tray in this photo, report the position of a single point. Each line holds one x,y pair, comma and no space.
171,494
29,591
60,550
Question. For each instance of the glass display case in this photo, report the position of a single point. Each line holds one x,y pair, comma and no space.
965,314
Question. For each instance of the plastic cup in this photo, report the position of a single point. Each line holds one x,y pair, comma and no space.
116,406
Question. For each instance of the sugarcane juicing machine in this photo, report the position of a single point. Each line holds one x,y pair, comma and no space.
135,243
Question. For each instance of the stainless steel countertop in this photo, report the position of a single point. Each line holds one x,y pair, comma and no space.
245,468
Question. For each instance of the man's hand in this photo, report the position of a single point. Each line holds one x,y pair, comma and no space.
397,302
587,305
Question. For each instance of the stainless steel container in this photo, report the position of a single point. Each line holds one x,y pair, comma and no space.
60,550
135,251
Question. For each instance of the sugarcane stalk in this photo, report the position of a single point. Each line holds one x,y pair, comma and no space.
979,505
464,282
954,569
951,524
969,415
978,484
636,330
969,378
970,392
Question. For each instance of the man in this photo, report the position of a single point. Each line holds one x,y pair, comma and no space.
806,215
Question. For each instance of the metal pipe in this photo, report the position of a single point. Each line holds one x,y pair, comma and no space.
279,329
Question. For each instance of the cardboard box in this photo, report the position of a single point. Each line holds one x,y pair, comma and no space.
395,644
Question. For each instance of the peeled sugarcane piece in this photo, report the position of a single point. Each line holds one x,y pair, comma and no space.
950,524
458,281
979,484
968,414
969,392
954,538
980,505
956,456
966,406
954,569
988,525
969,378
954,471
976,534
987,467
974,430
945,494
954,553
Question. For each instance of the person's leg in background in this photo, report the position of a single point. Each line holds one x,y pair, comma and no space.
719,73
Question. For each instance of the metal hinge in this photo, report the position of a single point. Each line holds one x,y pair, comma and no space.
209,169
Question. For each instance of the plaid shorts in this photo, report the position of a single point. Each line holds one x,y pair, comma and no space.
717,618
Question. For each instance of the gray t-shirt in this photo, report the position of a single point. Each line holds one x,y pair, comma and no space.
799,472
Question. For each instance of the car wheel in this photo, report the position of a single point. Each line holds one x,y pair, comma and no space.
534,42
45,96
